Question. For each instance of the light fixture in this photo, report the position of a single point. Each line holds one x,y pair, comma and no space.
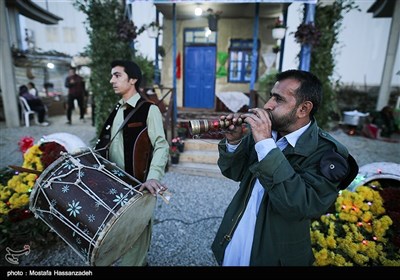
198,11
50,65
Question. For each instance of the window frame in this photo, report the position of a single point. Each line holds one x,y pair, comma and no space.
243,50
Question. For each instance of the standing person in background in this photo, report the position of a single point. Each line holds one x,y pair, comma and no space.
290,172
32,89
76,91
35,103
125,144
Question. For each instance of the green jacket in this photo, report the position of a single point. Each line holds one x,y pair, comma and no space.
295,192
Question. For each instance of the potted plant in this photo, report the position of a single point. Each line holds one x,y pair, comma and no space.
307,33
182,131
276,49
279,30
213,18
153,29
179,143
359,232
175,154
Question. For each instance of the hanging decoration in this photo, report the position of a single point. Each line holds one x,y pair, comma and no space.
222,58
127,31
307,33
178,66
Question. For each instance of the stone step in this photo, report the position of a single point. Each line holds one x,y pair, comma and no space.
201,144
198,169
199,156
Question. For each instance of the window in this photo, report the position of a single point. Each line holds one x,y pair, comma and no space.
199,36
240,59
52,34
69,34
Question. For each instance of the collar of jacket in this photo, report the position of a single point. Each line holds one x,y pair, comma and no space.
308,141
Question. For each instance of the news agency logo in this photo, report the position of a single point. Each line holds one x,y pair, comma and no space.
12,255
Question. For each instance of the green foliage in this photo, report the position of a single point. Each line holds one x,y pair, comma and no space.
328,19
265,85
147,68
109,41
103,18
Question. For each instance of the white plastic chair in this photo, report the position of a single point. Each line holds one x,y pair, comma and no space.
26,110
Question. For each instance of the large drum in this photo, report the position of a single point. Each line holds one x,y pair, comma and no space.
93,205
376,171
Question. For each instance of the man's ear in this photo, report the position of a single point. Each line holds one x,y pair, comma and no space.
132,81
305,109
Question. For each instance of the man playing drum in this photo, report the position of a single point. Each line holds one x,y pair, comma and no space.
133,138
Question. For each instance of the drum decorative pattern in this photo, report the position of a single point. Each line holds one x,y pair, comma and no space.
78,196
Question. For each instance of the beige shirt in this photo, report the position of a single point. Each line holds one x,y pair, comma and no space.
156,133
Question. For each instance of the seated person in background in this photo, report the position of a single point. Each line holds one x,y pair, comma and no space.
35,103
32,89
381,125
385,122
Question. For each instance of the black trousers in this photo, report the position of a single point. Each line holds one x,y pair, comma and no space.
37,106
70,106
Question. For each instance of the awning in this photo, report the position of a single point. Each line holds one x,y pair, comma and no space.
185,10
382,8
22,59
225,8
31,10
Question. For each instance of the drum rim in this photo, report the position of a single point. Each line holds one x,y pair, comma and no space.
150,202
366,173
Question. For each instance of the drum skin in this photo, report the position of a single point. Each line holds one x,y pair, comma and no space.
93,205
122,232
70,142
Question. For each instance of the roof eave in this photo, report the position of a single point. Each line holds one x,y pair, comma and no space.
382,8
31,10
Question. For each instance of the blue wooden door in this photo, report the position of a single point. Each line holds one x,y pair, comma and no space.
199,77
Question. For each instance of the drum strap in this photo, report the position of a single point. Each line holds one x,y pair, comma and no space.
123,124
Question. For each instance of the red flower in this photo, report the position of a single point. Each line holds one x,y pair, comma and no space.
25,143
51,152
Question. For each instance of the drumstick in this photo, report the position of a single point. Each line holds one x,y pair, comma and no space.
23,169
166,196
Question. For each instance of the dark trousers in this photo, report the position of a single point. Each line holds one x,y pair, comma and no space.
37,106
70,105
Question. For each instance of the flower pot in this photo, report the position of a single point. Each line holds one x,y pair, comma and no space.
181,147
175,159
278,33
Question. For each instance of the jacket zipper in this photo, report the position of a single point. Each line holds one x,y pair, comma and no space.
228,237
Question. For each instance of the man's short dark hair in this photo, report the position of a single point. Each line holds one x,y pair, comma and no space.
310,88
131,68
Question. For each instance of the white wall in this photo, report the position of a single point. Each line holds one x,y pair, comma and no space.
144,12
362,48
72,18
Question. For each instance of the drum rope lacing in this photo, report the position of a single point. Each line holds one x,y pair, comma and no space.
57,176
